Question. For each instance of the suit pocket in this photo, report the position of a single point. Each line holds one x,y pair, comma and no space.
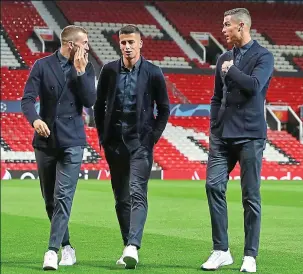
252,119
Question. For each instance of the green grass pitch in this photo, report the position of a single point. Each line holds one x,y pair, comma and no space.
177,236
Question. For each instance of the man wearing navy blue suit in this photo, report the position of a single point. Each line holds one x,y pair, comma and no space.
64,82
238,134
127,92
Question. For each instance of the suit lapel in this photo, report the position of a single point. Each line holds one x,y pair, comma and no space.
248,55
142,76
229,57
112,85
54,64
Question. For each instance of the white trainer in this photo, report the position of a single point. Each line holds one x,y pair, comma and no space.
217,259
120,262
50,260
249,265
130,257
68,256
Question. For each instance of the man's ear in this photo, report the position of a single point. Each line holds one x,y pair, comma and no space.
71,44
241,25
141,44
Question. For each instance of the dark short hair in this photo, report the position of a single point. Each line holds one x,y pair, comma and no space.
240,14
128,29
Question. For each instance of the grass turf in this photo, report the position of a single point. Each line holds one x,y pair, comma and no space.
177,236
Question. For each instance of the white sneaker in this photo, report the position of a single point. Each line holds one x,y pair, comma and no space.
120,262
249,265
130,257
50,260
68,255
216,259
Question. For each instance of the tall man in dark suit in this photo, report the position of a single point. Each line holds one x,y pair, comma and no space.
127,91
238,133
64,82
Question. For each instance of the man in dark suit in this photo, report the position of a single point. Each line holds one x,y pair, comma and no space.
127,91
238,133
64,82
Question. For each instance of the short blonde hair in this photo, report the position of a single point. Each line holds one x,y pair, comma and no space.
69,33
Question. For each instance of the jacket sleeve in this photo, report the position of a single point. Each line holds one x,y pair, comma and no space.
86,86
31,92
99,107
162,103
254,83
215,101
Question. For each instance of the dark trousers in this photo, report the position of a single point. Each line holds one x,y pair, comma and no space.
58,171
130,173
223,156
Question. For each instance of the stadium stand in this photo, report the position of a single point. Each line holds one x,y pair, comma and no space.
7,56
199,88
282,39
105,18
19,20
184,144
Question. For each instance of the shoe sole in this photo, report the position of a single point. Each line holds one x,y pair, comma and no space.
63,264
245,271
49,268
120,264
130,262
223,264
67,264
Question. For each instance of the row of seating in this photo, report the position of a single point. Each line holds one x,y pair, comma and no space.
184,144
7,56
283,38
208,17
197,88
19,19
109,17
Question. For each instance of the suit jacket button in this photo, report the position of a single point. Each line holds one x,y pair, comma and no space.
52,87
71,103
70,117
57,117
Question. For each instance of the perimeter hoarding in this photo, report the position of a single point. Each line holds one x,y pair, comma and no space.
200,174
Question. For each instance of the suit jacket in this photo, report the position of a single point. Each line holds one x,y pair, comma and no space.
61,101
150,90
237,106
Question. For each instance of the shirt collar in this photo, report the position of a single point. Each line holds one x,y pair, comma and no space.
62,59
135,67
246,46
